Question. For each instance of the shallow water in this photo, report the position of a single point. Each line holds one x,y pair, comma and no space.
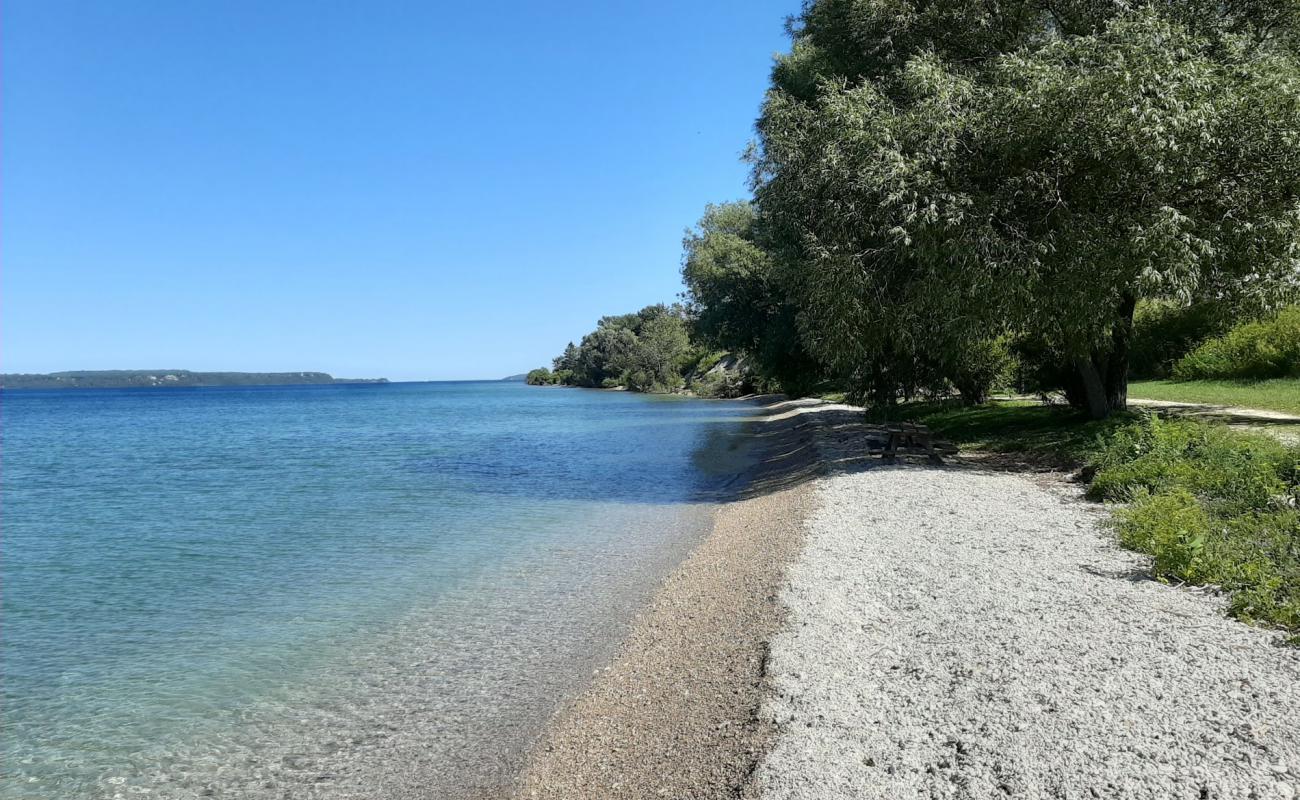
326,590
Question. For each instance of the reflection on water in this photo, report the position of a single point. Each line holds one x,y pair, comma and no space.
326,591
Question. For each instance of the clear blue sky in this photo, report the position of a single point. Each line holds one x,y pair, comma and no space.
407,189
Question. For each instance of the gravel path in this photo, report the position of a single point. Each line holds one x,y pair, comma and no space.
954,633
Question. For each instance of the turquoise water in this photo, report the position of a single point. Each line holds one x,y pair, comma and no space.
319,591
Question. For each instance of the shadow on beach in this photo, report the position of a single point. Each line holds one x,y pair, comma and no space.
791,442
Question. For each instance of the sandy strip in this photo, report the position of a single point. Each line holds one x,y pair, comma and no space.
955,633
676,713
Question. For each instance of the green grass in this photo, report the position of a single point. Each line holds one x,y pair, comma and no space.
1279,394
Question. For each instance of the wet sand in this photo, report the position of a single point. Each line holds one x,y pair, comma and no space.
676,712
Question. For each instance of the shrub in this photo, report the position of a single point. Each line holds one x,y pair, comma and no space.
1172,527
1234,471
1164,332
706,361
981,367
1260,560
1253,351
1255,556
721,384
1211,506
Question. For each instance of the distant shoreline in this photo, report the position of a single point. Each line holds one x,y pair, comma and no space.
155,379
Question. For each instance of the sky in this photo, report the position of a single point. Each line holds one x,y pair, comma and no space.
412,190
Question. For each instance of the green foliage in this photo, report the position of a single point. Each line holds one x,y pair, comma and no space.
707,360
1255,556
602,354
540,377
656,361
647,351
1163,332
981,365
740,300
1234,471
568,360
980,167
720,385
1253,351
1174,528
1212,506
1258,559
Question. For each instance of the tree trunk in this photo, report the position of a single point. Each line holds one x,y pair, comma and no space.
1105,373
1121,337
1094,389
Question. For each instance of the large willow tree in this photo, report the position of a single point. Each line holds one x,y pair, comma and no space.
941,172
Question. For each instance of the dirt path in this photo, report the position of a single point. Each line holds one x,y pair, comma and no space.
1277,423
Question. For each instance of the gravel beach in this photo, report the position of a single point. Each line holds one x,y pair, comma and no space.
964,634
854,630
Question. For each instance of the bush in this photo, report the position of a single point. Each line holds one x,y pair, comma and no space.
981,367
720,384
1233,471
1260,559
1211,506
1255,556
1172,527
1253,351
1164,332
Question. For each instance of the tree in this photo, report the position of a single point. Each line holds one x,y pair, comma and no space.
738,300
540,377
936,172
602,354
655,362
567,361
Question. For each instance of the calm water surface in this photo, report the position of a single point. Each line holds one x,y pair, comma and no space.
326,591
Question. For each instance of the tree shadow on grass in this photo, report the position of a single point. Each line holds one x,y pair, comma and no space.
1018,435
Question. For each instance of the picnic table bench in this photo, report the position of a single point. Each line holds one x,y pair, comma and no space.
909,437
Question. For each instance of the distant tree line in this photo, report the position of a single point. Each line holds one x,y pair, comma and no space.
948,196
651,350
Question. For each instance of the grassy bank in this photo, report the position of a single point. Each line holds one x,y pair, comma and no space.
1280,394
1051,435
1211,505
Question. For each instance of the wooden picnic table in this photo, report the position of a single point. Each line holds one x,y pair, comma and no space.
909,437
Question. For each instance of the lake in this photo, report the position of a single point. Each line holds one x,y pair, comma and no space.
328,591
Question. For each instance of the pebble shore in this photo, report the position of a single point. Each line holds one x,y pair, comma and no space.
854,630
